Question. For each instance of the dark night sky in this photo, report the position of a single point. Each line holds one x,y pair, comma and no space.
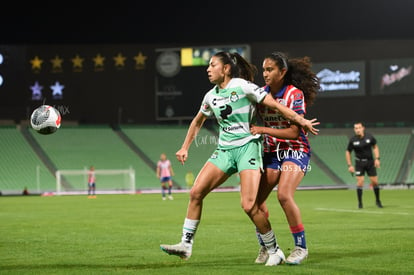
39,22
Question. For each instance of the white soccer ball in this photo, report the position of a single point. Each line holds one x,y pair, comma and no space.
45,120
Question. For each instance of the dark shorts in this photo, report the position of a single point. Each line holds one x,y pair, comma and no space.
275,161
165,179
91,184
365,166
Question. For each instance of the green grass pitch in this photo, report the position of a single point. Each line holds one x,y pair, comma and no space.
121,234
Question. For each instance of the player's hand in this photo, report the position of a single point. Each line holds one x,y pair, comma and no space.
254,130
377,163
182,155
308,125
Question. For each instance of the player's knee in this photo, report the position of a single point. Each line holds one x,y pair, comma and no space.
249,207
283,198
195,195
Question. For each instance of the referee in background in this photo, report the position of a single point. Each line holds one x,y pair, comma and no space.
367,160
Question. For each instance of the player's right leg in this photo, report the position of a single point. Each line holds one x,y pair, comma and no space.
268,181
360,189
209,178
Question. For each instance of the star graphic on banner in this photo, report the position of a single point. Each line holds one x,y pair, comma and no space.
98,60
56,63
36,63
57,90
36,91
119,60
140,59
77,61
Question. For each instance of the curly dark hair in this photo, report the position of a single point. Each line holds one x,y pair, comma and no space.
299,74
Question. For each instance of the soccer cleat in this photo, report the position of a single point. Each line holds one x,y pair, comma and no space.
170,197
379,204
263,255
297,256
276,258
180,250
360,205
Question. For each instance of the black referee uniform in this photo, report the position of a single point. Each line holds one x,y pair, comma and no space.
364,161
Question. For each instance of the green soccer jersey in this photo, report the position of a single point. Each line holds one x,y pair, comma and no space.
235,110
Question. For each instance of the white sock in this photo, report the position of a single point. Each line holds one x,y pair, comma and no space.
269,239
189,230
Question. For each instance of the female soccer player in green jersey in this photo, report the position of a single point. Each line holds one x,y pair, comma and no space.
232,101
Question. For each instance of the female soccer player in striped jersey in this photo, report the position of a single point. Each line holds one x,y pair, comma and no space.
286,146
233,102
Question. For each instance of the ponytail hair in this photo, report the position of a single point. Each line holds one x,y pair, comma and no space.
239,67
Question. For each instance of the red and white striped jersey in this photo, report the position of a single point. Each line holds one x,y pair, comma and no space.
293,98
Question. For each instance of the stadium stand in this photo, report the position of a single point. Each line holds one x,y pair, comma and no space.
392,149
153,140
30,159
410,176
316,177
330,149
80,147
20,166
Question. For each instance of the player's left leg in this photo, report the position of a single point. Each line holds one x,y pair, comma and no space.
290,178
170,184
372,173
375,186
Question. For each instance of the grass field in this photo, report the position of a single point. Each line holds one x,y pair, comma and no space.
121,234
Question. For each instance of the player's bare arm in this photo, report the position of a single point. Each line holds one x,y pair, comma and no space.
192,132
287,133
294,117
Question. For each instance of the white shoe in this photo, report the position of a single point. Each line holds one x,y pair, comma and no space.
164,198
276,258
180,250
263,255
297,256
170,197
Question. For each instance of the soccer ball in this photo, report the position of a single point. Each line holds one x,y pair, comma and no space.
45,120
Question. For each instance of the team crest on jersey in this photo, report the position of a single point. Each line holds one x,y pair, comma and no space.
234,97
214,155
